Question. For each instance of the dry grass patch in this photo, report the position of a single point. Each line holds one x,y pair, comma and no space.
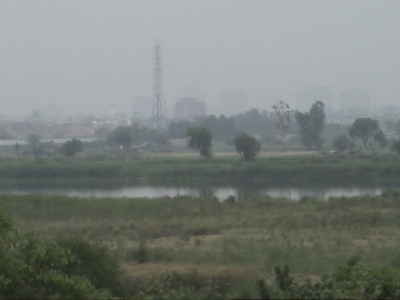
153,269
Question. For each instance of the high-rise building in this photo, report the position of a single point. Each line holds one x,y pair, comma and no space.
189,109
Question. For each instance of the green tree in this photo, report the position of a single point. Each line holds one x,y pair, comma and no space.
17,148
351,281
367,130
396,127
71,147
395,146
311,125
221,127
342,142
281,118
94,261
200,138
247,146
37,152
178,130
253,122
101,132
31,268
121,136
33,140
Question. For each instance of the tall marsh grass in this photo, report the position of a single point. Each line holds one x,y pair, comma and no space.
311,236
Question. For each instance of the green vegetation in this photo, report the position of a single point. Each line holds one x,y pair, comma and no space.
367,130
71,147
200,248
342,142
395,146
200,139
281,117
33,140
121,136
69,268
247,146
132,169
311,125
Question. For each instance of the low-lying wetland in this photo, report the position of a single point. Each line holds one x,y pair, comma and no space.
311,236
204,244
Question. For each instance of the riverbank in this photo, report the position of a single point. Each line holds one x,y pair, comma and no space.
97,170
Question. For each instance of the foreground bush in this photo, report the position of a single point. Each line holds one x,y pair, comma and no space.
351,281
31,268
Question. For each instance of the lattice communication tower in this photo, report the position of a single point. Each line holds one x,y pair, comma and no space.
159,116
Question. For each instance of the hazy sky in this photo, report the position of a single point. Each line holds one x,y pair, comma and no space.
95,56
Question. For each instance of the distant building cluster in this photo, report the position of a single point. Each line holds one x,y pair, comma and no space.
347,105
189,109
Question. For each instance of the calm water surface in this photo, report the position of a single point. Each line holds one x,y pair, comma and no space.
220,192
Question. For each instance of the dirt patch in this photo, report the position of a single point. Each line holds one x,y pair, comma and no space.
151,269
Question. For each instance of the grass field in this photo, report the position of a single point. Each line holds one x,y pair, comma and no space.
224,246
245,239
270,169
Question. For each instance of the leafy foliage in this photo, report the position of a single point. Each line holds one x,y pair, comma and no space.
37,152
351,281
283,278
221,126
254,122
121,136
311,125
395,146
281,116
33,269
101,132
367,130
33,140
396,127
17,148
342,142
93,261
247,146
178,130
172,285
200,139
69,268
70,148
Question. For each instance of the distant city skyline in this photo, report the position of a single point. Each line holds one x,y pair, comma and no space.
92,57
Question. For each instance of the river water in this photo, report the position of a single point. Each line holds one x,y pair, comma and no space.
220,192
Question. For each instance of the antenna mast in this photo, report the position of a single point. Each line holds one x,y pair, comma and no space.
159,105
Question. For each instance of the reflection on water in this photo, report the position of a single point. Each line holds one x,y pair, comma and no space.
220,192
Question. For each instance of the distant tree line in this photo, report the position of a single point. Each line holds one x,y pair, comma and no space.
250,129
280,127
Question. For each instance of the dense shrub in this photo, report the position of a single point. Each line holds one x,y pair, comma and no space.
351,281
71,268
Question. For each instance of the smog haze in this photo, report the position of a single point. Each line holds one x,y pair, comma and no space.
91,57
